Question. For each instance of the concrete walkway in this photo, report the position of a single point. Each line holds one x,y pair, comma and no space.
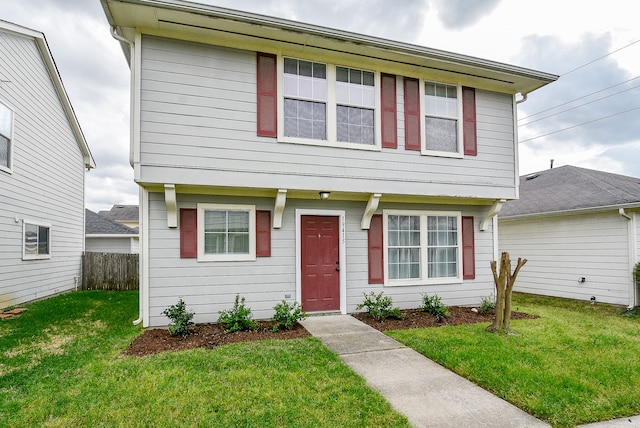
426,393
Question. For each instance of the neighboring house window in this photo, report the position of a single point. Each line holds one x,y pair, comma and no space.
6,137
355,112
36,241
422,247
226,232
305,99
442,118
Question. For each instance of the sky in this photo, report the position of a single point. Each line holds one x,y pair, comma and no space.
589,118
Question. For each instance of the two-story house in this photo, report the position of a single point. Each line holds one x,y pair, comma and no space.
43,156
282,160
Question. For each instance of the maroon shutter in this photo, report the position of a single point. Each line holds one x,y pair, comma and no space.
389,118
188,233
469,121
267,95
411,114
376,251
468,249
263,233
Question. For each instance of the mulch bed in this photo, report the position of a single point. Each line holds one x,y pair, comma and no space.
209,336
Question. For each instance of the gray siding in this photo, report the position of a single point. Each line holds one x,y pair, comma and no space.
47,182
198,126
562,249
108,245
209,287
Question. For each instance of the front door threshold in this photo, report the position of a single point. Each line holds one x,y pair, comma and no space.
323,313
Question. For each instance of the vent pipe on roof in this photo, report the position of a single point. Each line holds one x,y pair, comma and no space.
551,166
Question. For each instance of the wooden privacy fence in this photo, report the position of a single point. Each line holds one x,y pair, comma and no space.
110,271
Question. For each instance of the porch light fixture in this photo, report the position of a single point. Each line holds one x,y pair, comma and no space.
324,195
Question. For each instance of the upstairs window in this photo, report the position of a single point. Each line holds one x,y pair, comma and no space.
36,241
356,102
324,104
305,99
6,137
442,113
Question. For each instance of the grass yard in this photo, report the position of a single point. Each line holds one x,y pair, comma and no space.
577,363
61,366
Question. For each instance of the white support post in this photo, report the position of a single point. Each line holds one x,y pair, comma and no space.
278,209
172,206
370,210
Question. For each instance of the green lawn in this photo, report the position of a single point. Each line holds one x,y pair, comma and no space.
61,366
577,363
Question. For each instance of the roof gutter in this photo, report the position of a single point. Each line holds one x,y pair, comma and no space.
572,212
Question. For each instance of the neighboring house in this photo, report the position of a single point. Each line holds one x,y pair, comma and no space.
281,160
580,231
103,235
43,156
123,214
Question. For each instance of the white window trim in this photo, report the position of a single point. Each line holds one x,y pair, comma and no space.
423,280
26,256
251,209
9,168
459,154
332,132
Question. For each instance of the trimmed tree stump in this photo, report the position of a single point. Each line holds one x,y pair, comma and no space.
504,286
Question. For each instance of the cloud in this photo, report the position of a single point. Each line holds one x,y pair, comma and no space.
458,14
592,124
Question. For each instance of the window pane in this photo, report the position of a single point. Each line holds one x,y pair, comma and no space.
30,239
355,76
238,221
290,66
215,221
4,152
342,74
355,125
6,121
43,240
305,119
319,71
403,240
443,246
367,78
441,134
238,243
305,68
215,243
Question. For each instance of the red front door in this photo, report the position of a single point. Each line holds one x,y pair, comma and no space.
320,258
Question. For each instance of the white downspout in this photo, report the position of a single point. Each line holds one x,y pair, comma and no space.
631,239
115,35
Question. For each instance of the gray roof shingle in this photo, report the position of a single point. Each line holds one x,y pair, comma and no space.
96,224
569,188
121,213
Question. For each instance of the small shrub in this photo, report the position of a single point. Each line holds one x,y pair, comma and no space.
180,319
287,315
239,318
487,304
636,273
380,307
434,306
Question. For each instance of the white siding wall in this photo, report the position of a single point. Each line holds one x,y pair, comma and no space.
209,287
47,183
108,245
562,249
198,126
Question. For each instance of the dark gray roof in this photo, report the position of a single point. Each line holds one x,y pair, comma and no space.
569,188
121,213
95,224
